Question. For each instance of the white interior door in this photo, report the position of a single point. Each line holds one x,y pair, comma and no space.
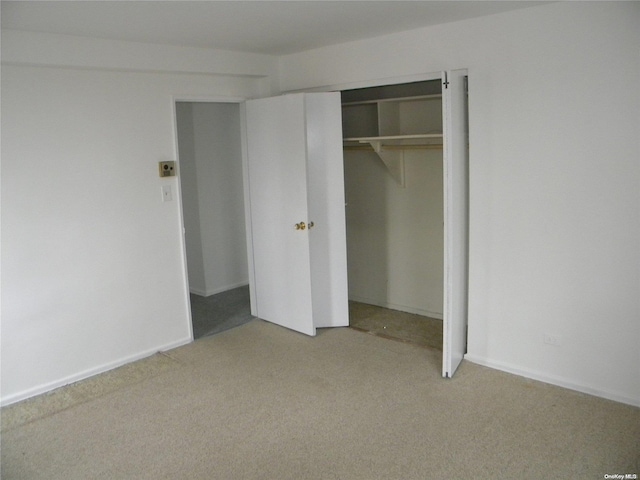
328,237
456,219
276,176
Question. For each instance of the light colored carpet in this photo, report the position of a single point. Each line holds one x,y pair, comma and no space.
396,325
262,402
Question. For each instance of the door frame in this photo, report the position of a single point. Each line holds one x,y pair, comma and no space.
178,186
447,253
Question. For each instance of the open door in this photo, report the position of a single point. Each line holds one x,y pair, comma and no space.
295,210
456,219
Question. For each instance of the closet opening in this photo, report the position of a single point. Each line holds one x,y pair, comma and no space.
212,197
393,168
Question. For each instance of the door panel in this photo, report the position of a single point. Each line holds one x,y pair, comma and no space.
456,180
277,191
328,240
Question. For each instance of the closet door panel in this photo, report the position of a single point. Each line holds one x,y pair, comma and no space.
456,179
277,192
327,237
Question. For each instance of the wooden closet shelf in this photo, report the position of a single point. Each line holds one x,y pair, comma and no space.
424,146
393,137
395,99
394,142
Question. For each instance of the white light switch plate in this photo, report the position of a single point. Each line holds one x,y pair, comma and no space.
167,195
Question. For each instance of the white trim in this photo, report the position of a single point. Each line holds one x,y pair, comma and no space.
183,243
47,387
552,380
207,293
248,224
395,306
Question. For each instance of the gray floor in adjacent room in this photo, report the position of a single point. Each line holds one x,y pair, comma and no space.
220,312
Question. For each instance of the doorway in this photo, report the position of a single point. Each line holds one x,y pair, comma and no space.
211,184
395,216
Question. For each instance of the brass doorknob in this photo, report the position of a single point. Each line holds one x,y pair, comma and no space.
300,226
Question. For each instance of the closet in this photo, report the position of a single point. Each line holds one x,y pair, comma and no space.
393,142
406,179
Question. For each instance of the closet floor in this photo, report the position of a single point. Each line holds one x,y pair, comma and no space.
220,312
396,325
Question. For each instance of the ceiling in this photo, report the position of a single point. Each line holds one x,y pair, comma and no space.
269,27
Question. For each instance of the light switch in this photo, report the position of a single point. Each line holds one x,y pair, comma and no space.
167,195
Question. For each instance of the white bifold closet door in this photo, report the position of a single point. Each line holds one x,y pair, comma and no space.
456,219
296,231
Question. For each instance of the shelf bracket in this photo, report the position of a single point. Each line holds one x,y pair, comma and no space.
392,159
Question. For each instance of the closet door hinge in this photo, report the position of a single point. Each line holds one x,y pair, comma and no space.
446,81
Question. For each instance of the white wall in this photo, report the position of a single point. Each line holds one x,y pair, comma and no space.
92,259
395,234
554,180
215,234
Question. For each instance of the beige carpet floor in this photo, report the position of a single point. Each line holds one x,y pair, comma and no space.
263,402
396,325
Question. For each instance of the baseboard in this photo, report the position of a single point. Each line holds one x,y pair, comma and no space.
395,306
552,379
40,389
207,293
197,291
